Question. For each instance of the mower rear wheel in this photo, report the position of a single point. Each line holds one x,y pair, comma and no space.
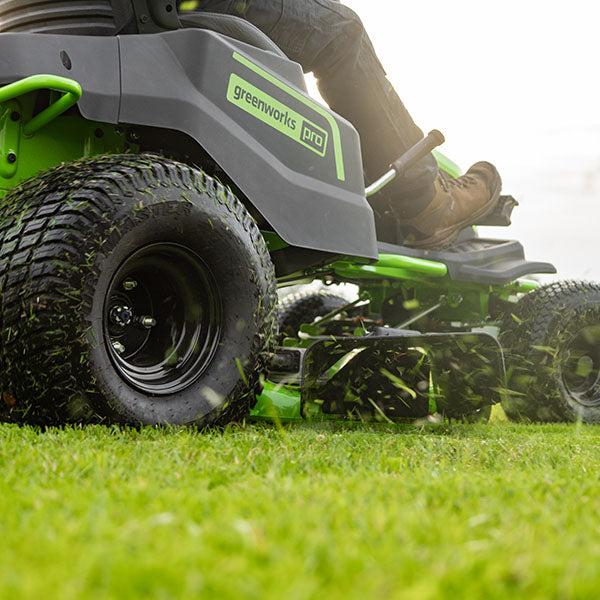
552,342
133,289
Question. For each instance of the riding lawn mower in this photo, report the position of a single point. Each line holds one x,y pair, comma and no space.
164,177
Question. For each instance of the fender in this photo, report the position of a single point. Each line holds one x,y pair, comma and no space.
296,161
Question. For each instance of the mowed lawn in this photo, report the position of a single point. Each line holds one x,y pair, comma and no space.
322,511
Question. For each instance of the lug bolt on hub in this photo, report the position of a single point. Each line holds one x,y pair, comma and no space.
118,347
129,284
148,322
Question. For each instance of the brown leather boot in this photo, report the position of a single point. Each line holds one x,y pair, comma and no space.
457,203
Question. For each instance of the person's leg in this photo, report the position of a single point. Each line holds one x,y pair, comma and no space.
329,39
353,82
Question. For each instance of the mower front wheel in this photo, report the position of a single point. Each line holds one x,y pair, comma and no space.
553,354
303,307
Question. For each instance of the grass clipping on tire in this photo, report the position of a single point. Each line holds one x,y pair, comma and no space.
65,234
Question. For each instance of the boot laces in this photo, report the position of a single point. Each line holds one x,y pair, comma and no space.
448,183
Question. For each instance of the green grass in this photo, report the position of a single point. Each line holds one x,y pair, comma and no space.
323,511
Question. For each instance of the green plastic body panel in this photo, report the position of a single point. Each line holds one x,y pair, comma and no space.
278,403
31,143
63,140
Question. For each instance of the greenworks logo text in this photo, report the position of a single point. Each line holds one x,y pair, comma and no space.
239,93
275,114
313,137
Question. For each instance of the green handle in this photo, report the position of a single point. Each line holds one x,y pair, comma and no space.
72,94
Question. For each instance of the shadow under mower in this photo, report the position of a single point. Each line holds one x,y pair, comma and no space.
162,175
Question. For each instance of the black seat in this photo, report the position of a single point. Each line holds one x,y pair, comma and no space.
79,17
232,27
115,17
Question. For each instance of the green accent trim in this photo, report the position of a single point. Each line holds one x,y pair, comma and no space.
277,115
72,94
273,241
526,285
447,165
427,267
10,137
337,139
64,140
278,403
392,266
349,271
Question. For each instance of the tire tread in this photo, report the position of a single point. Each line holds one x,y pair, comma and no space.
46,220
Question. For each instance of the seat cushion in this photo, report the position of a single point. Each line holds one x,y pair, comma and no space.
78,17
233,27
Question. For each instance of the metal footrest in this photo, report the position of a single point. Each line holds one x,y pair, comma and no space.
502,213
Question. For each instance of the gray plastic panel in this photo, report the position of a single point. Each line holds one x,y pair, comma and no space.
179,80
94,60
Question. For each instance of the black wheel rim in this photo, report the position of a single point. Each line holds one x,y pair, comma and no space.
580,366
162,319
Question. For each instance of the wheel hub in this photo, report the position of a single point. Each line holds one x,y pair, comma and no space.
121,315
580,366
162,319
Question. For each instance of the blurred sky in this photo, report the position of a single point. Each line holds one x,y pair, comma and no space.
516,83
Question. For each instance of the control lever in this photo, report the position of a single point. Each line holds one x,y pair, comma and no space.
413,155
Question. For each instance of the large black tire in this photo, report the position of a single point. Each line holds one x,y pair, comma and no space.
552,342
133,289
304,307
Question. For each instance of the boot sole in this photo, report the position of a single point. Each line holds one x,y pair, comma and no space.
445,237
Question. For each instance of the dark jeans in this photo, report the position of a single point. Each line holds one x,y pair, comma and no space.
329,39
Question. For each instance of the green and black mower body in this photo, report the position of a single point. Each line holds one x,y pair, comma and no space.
87,80
247,109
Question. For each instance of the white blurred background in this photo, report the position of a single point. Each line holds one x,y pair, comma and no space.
516,83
